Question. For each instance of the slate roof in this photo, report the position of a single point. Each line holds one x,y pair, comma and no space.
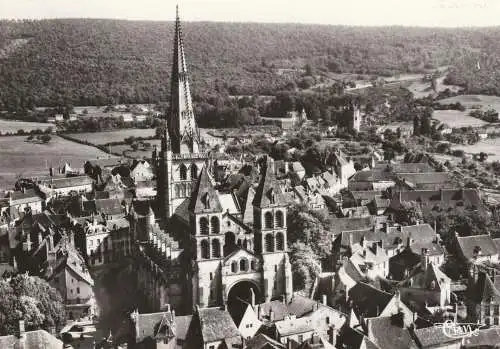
261,341
29,195
428,180
268,188
491,290
428,199
406,167
33,340
204,198
468,244
109,206
216,324
299,306
367,300
110,162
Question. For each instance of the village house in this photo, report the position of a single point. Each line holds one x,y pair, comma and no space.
142,171
25,199
72,279
476,249
30,339
51,187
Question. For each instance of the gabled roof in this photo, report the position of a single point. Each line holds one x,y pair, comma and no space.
204,198
261,341
389,336
291,326
153,325
33,340
367,300
109,206
433,336
483,243
29,195
216,324
425,278
268,192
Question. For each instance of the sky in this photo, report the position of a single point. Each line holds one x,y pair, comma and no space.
434,13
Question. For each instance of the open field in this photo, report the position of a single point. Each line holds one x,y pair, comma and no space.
457,118
99,138
421,89
469,101
13,126
18,157
489,146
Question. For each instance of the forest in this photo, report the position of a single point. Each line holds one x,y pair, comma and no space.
100,62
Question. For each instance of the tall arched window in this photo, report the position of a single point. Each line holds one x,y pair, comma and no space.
177,192
194,171
279,219
268,220
216,248
280,242
205,249
183,172
269,243
214,222
203,226
234,267
253,264
244,264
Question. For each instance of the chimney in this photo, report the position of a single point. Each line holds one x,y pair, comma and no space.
424,258
21,329
271,315
134,317
323,299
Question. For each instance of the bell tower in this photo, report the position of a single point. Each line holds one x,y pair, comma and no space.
181,158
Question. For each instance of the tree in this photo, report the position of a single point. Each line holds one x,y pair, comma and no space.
31,299
409,213
45,138
483,156
305,266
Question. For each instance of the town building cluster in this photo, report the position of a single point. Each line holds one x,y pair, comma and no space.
207,235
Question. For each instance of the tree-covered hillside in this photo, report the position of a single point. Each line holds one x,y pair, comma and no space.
90,61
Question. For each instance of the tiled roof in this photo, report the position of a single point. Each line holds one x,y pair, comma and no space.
388,336
423,279
67,182
33,340
338,225
468,244
368,195
261,341
433,336
150,325
290,326
487,338
216,324
268,190
423,178
406,167
204,197
491,290
182,326
110,162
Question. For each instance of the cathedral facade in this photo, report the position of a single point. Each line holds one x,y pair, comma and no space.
204,247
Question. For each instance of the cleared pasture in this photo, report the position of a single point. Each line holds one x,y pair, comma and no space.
457,118
489,146
12,126
21,158
101,138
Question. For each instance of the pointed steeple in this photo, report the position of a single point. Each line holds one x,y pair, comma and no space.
204,197
268,192
182,128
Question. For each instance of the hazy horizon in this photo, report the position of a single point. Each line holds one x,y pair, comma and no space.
424,13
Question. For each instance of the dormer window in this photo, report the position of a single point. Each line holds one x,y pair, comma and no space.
206,201
272,196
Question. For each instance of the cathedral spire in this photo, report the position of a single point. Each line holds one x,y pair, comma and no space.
182,128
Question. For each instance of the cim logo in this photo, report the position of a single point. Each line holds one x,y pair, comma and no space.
452,329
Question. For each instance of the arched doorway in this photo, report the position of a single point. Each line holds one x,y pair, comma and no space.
240,294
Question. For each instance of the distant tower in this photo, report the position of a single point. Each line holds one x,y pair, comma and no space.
354,115
181,159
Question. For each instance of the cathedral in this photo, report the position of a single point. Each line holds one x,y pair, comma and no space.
197,245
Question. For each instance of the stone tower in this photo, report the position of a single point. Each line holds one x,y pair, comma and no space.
269,207
181,157
207,242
